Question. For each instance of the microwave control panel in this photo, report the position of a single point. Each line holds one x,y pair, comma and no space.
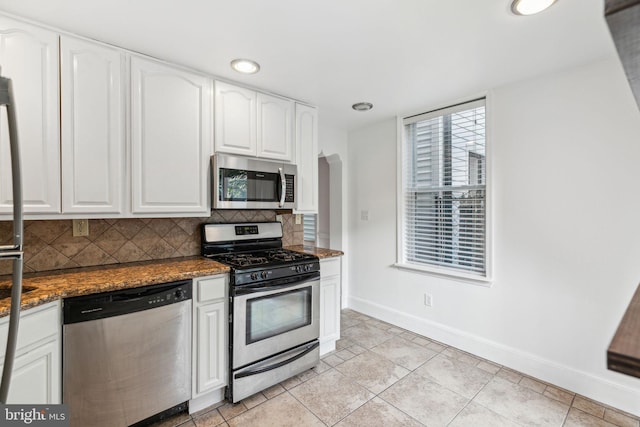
288,196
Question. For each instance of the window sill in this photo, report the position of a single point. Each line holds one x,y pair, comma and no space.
446,273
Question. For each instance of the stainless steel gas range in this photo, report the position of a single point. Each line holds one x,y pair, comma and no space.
274,305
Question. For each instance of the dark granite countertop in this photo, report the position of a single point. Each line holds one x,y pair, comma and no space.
623,354
53,285
313,250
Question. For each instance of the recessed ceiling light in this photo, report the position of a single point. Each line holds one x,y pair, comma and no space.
530,7
362,106
245,66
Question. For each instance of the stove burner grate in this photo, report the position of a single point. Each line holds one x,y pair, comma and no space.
244,260
285,255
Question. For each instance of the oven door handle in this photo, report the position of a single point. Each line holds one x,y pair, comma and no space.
254,290
283,186
256,371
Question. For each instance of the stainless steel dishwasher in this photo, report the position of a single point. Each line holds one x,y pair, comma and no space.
127,355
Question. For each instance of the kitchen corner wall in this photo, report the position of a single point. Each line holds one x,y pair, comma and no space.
50,245
566,247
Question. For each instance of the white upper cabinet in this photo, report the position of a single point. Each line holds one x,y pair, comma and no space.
235,118
170,139
275,128
307,159
93,131
29,56
253,124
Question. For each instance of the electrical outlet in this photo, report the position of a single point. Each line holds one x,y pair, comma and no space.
428,300
279,218
80,227
298,219
364,215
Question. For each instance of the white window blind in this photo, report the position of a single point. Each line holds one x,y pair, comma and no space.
444,189
309,224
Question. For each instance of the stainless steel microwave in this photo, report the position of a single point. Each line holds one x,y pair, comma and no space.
245,183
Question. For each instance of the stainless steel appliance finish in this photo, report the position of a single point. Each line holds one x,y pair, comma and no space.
264,374
275,303
623,18
127,354
271,318
245,183
12,252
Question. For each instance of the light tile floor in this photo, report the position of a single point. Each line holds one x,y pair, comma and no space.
381,375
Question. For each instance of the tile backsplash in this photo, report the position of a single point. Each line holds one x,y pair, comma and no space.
50,245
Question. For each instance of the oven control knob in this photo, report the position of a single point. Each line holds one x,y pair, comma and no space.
298,268
264,274
307,267
254,276
179,294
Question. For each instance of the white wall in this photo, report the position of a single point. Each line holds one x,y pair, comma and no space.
332,144
324,203
566,178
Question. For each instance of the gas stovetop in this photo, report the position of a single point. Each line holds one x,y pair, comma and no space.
254,252
263,259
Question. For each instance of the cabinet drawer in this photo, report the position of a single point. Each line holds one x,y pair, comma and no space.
330,267
35,324
212,289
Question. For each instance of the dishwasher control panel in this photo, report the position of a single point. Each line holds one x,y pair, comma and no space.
115,303
176,295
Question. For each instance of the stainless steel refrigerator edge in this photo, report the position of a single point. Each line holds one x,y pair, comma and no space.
12,252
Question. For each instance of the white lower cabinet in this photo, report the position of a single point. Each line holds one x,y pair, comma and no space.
37,373
210,325
330,291
211,350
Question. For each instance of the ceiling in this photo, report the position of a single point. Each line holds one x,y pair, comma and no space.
404,56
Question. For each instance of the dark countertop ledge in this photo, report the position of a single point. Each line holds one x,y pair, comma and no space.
53,285
314,250
623,354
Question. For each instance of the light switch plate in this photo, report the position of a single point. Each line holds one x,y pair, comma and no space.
298,219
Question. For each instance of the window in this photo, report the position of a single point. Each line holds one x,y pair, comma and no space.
443,197
309,224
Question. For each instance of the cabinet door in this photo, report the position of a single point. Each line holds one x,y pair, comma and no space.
235,118
93,173
275,128
307,159
330,309
170,139
211,366
29,56
36,376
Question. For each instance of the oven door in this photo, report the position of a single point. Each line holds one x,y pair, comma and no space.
241,183
271,319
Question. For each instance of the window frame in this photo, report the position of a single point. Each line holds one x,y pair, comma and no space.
442,271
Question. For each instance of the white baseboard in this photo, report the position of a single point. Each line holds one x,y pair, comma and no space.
584,383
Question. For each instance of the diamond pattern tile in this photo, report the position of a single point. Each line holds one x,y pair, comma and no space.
50,245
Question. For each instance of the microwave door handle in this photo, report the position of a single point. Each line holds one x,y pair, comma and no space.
283,185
